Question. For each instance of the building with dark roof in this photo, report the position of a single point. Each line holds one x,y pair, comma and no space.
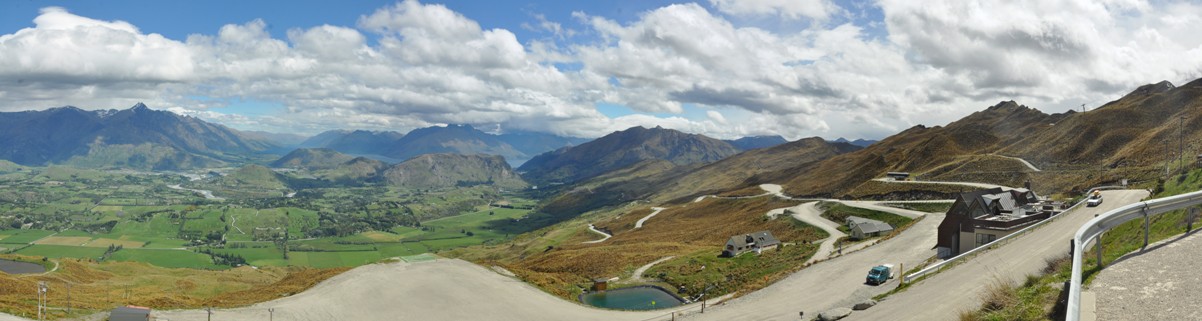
862,228
979,217
757,242
130,313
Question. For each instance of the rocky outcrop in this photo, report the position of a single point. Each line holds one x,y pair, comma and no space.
834,314
864,305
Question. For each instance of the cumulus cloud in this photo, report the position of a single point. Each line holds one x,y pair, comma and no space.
819,10
413,64
1046,50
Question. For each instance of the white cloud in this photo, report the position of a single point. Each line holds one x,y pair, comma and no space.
1045,52
430,65
819,10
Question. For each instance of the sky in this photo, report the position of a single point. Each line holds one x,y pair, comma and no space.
722,68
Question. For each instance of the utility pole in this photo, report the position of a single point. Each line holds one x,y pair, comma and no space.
1181,143
68,298
1083,108
210,311
42,311
271,314
1166,158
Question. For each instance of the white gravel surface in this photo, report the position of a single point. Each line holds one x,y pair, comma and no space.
1161,283
444,289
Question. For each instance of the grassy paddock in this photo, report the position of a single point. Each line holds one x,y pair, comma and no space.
838,213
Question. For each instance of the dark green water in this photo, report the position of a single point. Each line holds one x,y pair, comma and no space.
15,267
637,298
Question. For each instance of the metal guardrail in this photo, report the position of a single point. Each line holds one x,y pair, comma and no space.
1106,221
928,270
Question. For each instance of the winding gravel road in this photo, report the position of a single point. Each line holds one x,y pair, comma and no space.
655,211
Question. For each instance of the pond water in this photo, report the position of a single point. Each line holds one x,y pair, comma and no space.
16,267
635,298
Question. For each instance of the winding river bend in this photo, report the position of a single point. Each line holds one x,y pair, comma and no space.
206,193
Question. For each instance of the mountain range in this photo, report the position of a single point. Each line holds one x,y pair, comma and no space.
857,142
621,149
138,137
1129,138
427,171
757,142
516,147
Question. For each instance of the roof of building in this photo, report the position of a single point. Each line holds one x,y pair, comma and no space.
873,227
762,238
855,220
130,313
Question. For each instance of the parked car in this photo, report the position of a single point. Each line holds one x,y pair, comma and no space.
880,274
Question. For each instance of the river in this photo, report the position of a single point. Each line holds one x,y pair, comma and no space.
207,194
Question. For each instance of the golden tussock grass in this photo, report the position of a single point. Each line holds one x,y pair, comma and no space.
102,286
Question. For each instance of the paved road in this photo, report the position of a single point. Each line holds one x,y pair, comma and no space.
876,206
1162,283
812,215
837,282
944,295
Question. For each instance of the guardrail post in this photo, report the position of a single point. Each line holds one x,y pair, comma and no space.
1147,225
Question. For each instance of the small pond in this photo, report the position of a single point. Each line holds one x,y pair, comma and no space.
633,298
17,267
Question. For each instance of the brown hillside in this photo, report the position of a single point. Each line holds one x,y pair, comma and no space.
1125,138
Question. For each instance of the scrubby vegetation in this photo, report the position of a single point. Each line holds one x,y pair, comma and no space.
109,219
101,286
555,259
838,212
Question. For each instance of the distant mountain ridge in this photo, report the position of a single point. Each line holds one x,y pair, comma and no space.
1124,139
138,137
857,142
756,142
621,149
516,147
452,170
312,159
427,171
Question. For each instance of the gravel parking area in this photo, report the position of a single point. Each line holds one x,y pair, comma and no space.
1162,283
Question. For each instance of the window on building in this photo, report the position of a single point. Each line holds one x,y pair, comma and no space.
983,239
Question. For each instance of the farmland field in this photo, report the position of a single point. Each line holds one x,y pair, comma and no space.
59,251
22,236
167,258
84,213
65,240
